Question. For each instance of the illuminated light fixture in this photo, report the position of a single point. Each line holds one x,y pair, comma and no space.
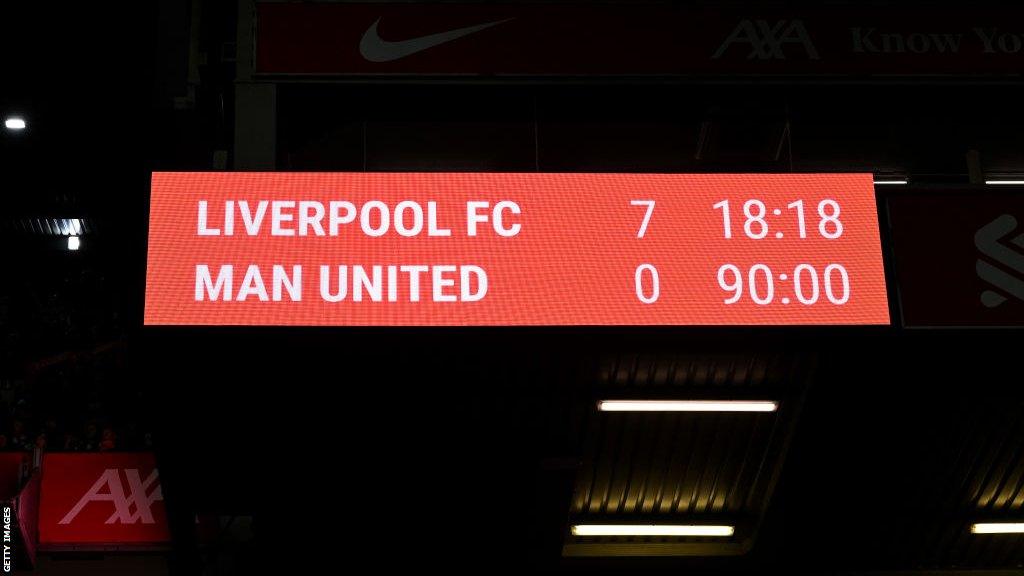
687,406
998,528
892,182
14,123
74,242
1004,182
651,530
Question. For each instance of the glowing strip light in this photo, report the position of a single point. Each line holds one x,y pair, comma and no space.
651,530
998,528
1004,182
687,406
891,182
14,123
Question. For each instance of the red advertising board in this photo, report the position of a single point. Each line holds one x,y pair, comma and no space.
494,249
633,39
101,501
27,505
959,257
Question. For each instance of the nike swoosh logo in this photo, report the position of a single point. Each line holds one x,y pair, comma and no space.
376,49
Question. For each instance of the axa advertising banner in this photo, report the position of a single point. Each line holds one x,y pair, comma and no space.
959,257
616,39
101,501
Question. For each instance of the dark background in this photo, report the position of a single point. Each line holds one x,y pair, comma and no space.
465,449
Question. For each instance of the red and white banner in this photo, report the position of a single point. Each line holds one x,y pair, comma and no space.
101,501
626,39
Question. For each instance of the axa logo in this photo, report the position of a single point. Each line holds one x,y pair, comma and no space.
133,502
766,40
990,242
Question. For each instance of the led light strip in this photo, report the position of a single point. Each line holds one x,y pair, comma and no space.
687,406
651,530
998,528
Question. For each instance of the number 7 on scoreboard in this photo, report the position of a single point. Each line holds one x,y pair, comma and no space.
647,215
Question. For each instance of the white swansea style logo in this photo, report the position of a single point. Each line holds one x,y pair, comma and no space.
376,49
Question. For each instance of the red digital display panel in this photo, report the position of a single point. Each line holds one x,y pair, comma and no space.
495,249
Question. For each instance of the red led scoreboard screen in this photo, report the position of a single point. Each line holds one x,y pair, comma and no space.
496,249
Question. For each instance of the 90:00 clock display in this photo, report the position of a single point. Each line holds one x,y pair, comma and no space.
807,285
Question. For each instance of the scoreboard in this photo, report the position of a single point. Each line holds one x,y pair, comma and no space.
496,249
